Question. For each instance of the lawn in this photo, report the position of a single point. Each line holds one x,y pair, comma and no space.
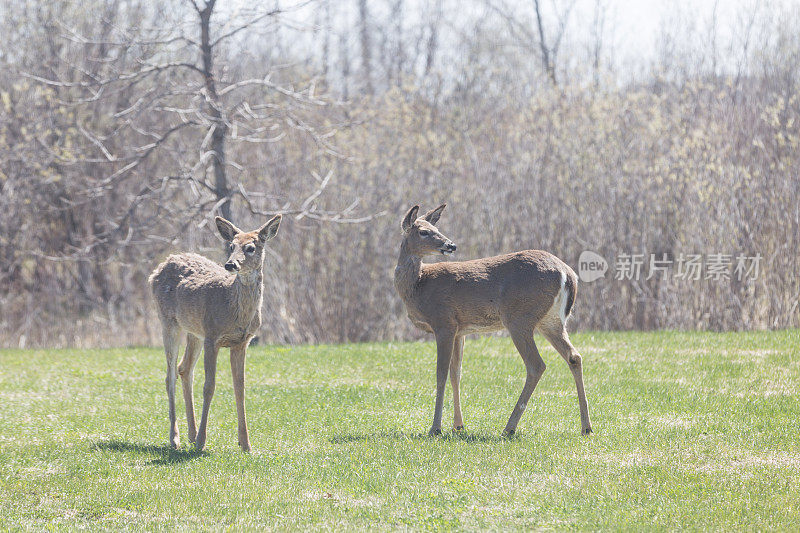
692,430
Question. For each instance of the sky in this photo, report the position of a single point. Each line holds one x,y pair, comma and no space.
633,29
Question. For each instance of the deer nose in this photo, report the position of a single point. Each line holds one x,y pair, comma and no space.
448,247
230,266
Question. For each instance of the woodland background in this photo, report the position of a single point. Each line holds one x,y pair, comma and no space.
125,126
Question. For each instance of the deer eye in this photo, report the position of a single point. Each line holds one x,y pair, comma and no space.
249,249
424,232
231,246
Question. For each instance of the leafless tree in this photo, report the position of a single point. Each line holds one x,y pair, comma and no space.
125,124
366,46
537,39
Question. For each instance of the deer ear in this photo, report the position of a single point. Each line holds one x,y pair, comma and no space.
270,229
433,215
411,216
226,228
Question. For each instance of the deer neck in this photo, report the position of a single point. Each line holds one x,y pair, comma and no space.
247,290
407,273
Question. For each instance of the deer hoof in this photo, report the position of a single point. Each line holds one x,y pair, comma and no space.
508,433
587,431
458,428
435,432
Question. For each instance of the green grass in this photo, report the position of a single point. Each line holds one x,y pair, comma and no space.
692,430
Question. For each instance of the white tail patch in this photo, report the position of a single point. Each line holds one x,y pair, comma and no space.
562,309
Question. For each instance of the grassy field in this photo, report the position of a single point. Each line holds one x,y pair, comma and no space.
692,430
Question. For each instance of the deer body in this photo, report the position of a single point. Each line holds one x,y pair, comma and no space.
473,296
521,292
205,300
213,307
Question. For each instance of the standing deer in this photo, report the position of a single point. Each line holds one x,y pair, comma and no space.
521,292
200,299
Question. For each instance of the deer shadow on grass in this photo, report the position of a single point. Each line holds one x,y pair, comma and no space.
455,436
162,454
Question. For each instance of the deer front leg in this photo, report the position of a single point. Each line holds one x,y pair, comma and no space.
445,340
455,380
210,350
172,335
186,371
238,354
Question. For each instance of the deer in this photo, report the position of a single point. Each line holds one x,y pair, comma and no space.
522,292
214,307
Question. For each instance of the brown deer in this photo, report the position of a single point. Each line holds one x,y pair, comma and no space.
214,307
521,292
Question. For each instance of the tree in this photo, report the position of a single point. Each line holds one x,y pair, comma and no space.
124,133
547,46
197,102
366,47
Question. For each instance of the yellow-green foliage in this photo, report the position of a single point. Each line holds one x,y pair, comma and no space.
708,167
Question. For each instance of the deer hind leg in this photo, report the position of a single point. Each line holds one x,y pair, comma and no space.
558,337
445,340
172,339
186,371
522,335
210,351
238,354
455,380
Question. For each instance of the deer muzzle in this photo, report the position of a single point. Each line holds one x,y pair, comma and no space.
448,248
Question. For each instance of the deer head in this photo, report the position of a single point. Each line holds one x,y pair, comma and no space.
246,248
420,235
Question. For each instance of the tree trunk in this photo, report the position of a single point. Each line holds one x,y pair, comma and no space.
433,40
366,62
547,61
220,127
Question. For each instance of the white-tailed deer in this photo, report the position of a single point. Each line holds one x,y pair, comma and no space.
521,292
214,307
